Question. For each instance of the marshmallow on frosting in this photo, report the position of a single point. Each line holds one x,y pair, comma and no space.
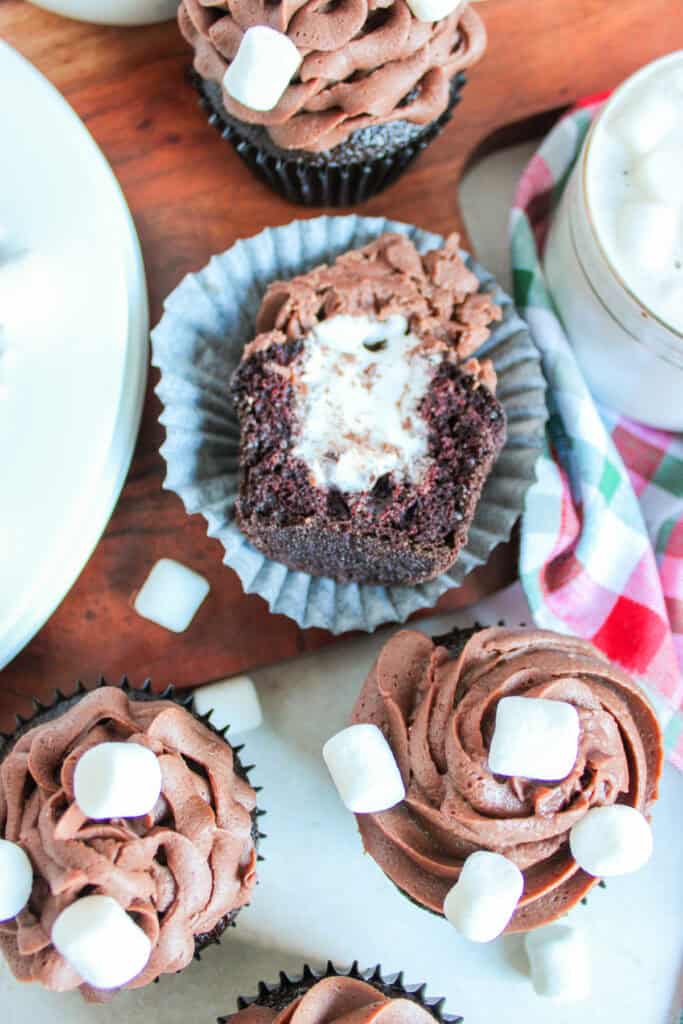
485,897
16,879
615,840
364,769
101,941
433,10
263,67
534,738
117,780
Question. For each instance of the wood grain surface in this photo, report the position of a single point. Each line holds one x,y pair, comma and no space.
191,196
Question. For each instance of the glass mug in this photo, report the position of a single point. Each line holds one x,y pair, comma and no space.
631,356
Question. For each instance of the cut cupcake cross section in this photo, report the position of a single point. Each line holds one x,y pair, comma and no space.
367,430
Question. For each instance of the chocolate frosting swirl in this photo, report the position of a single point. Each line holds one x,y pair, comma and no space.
437,711
365,62
178,870
338,999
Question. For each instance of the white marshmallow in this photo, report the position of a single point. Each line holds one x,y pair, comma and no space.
559,962
117,780
263,67
433,10
647,233
660,174
101,942
610,841
171,595
16,879
232,702
534,738
363,769
645,120
484,898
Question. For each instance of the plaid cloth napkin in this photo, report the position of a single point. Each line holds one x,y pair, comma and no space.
602,533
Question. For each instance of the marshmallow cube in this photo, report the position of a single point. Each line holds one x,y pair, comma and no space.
363,769
232,702
16,879
559,962
647,232
534,738
117,780
432,10
660,174
484,898
101,942
263,67
609,841
171,595
645,121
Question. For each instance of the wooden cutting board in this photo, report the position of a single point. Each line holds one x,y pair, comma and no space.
191,196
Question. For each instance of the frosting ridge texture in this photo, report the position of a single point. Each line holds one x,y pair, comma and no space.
437,710
365,62
178,871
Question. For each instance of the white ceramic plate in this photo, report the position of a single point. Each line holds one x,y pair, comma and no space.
113,12
73,348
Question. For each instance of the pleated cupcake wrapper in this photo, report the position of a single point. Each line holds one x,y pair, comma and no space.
208,320
337,183
63,702
280,994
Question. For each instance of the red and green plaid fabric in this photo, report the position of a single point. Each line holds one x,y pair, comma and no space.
602,533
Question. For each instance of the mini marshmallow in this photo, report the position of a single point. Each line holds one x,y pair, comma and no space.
363,769
484,898
101,942
171,595
608,841
659,173
263,67
646,120
534,738
117,780
16,879
647,232
232,702
433,10
559,962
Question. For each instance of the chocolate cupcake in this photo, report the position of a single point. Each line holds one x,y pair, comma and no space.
330,103
157,881
367,428
437,704
322,998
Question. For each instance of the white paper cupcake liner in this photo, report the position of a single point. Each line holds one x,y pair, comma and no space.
197,345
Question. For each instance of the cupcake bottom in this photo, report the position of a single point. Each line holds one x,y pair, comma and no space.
46,713
366,163
280,995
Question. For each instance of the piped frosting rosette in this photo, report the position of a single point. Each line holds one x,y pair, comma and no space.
364,62
437,709
178,871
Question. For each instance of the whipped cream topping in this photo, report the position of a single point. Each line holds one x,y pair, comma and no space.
359,389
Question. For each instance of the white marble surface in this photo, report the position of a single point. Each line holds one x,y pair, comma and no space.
320,897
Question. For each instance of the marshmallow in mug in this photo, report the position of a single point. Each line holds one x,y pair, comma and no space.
117,780
485,897
534,738
559,963
16,879
101,942
613,840
364,769
263,67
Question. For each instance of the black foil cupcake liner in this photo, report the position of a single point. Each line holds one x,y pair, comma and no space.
43,713
280,994
339,181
